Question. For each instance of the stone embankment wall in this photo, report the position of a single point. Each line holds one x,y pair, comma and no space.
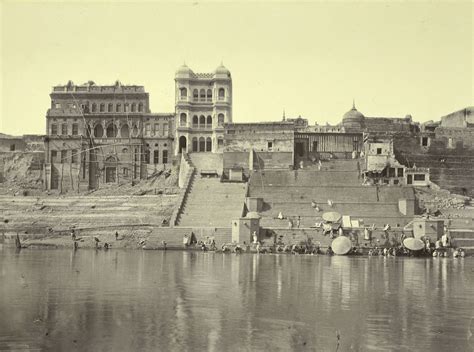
451,167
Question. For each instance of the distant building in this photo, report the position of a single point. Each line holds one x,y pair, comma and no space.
203,106
354,121
103,134
459,119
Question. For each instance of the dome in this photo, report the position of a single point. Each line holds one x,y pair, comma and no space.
353,118
184,71
353,115
222,71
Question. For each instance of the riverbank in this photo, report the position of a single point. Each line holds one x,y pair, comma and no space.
142,240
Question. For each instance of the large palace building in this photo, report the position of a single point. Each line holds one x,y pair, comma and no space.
203,105
103,134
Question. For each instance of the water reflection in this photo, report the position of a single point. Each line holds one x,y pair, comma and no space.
145,300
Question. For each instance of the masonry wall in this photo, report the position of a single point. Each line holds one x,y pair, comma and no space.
451,167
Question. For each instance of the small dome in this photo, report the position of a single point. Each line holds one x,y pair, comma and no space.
353,115
222,72
353,119
184,70
221,69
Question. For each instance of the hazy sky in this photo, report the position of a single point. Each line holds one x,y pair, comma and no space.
310,59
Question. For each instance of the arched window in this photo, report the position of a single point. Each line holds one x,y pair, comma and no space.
134,107
202,144
147,156
135,131
202,121
98,131
208,144
125,131
156,156
111,130
202,95
195,95
126,107
94,107
102,107
220,142
182,144
182,119
209,121
195,121
140,107
183,93
195,144
209,95
110,107
220,120
118,108
221,93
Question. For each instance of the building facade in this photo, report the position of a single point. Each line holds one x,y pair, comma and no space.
203,106
103,134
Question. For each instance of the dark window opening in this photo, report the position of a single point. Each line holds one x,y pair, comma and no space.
379,151
400,172
391,172
147,156
63,156
74,156
12,147
165,157
424,141
419,177
156,157
75,129
270,146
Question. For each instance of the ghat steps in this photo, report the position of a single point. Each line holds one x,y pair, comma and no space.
291,192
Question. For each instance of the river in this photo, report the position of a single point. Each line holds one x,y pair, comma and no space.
118,300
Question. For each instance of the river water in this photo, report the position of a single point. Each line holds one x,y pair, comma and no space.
58,300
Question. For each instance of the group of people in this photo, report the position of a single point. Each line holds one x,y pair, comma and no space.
97,241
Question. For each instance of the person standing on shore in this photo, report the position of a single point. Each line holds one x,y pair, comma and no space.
116,235
185,241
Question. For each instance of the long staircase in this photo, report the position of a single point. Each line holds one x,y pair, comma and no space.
209,202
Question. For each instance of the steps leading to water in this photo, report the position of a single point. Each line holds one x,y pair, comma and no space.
211,203
291,192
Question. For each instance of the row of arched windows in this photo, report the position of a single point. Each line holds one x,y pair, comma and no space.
202,94
110,107
201,121
202,144
111,131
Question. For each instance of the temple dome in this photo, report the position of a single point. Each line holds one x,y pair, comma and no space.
353,118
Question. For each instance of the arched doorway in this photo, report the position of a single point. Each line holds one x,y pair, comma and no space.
182,144
111,170
202,144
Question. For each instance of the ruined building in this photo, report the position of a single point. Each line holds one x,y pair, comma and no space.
103,134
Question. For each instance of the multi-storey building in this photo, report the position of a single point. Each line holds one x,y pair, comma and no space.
203,105
103,134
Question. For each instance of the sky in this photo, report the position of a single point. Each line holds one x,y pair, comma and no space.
307,58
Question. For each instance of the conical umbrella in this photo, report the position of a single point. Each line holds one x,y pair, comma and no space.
341,245
413,244
331,216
